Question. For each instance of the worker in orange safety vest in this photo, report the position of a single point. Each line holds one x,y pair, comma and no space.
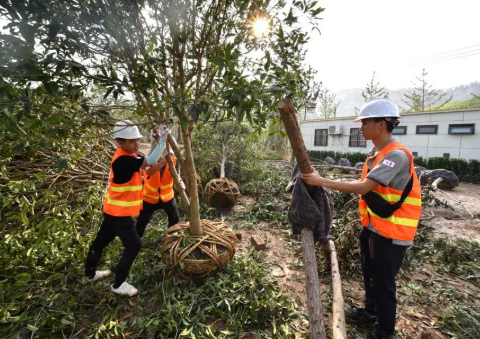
390,208
158,193
124,200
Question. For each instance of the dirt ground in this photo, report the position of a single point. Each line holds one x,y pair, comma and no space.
458,223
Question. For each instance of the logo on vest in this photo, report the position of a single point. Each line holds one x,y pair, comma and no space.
389,163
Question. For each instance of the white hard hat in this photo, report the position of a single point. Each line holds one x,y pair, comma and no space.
125,129
378,108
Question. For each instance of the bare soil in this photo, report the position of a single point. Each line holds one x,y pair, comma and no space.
459,222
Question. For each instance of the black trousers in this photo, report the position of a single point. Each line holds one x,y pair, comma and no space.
381,261
170,207
124,228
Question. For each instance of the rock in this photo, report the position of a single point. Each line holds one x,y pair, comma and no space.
258,243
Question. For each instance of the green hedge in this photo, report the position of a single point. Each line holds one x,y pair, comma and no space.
466,170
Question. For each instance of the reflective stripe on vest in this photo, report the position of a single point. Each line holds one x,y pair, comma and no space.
124,200
402,224
157,187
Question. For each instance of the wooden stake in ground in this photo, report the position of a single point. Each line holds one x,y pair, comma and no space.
314,305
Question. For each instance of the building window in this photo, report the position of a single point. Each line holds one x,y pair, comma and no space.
415,154
461,129
400,130
446,155
356,139
321,137
427,129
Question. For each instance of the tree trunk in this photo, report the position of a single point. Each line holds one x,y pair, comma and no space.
194,211
176,179
314,304
222,163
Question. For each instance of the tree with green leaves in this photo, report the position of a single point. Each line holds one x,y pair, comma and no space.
328,106
184,62
423,96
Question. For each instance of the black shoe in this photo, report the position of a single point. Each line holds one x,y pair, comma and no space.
360,316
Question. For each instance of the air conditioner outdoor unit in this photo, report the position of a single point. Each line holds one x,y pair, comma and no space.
335,129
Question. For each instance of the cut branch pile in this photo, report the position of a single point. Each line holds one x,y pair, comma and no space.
77,174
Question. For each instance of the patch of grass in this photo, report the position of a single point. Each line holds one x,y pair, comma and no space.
462,322
271,155
461,257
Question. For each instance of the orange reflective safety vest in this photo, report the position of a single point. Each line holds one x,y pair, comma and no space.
402,224
124,200
159,187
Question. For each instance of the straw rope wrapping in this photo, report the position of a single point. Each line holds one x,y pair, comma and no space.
200,255
224,186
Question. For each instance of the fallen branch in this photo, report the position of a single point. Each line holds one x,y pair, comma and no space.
338,314
430,217
457,201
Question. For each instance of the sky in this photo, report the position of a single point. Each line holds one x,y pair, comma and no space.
397,39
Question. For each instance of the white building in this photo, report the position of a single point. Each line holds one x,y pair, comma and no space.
427,134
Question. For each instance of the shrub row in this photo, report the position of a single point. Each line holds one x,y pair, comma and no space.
466,170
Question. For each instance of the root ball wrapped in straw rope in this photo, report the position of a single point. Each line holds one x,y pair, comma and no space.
222,193
200,255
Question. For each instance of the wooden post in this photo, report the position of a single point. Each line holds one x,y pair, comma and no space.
314,304
338,313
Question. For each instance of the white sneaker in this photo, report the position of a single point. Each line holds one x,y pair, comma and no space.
100,275
125,289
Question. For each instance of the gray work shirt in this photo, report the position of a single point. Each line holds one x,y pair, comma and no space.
393,171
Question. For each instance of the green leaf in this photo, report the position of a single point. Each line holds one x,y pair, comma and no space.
32,328
60,66
108,92
61,164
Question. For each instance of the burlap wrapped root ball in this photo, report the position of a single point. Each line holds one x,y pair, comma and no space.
344,162
359,165
419,170
198,256
330,161
222,193
441,178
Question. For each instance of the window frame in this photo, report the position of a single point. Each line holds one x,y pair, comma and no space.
320,137
452,126
401,127
359,141
420,126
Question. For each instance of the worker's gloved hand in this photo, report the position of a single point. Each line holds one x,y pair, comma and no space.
158,133
182,184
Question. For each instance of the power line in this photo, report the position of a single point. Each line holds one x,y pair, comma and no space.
445,57
430,63
433,55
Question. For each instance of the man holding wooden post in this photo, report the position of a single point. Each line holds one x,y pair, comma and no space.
390,208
